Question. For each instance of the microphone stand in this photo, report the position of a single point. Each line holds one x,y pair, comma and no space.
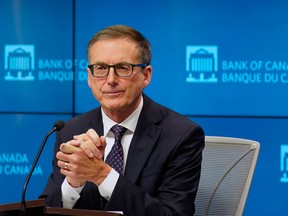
23,202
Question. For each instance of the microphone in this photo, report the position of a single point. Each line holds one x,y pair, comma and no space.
56,127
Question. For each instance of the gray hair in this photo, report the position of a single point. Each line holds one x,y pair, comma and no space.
118,31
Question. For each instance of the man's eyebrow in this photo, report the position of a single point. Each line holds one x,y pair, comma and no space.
122,62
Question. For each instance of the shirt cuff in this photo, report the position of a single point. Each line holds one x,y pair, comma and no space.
106,188
70,195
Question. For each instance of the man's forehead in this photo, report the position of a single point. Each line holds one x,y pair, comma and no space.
114,51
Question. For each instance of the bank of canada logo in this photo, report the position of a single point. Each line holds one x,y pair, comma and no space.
19,62
284,163
202,64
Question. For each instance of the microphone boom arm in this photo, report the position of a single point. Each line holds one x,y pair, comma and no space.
57,126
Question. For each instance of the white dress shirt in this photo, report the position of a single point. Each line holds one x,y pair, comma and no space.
70,195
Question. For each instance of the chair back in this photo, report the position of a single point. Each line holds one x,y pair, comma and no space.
227,169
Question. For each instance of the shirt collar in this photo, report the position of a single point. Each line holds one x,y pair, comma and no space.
130,122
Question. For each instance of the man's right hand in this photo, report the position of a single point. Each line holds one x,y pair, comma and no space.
81,159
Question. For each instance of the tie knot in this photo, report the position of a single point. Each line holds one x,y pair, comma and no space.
118,131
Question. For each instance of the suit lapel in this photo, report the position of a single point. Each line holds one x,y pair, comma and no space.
96,121
144,140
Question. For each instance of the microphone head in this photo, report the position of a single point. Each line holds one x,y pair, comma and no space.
59,125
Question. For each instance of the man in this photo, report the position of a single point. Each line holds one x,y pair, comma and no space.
162,149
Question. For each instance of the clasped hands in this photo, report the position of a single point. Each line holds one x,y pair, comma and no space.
81,159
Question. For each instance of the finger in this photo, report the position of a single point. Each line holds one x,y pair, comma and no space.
103,145
86,145
94,136
90,149
91,134
103,141
97,142
63,165
98,154
68,148
74,142
62,156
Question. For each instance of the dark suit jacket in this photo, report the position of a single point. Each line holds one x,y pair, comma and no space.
162,171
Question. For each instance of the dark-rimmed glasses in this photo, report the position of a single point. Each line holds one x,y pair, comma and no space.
101,70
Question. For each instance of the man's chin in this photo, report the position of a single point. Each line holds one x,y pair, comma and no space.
113,105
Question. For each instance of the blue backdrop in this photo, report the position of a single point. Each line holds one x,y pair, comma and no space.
222,64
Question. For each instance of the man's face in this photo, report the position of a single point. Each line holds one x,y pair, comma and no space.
118,94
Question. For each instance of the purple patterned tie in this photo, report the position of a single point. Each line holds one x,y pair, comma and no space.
115,156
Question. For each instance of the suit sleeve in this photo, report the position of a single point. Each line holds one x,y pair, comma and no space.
176,191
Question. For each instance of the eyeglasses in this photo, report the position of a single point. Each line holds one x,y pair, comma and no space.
101,70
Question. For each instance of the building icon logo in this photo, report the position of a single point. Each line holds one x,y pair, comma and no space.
19,62
284,163
201,64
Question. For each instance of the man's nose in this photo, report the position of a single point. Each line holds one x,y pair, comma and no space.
112,76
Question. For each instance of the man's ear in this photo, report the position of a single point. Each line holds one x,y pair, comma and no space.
147,75
88,76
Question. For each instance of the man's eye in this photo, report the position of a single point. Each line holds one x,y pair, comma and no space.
100,67
123,67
